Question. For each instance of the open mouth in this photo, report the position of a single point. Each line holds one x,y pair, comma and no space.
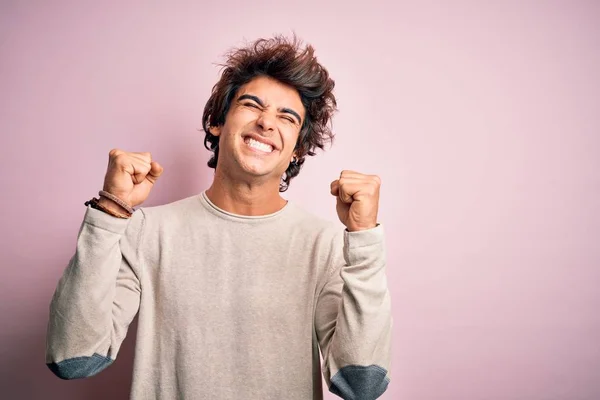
259,146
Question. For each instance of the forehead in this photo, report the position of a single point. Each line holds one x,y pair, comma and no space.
273,93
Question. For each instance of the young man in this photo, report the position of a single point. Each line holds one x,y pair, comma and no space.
236,288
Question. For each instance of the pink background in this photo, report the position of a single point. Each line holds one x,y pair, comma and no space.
482,120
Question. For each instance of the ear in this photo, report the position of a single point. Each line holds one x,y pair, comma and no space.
215,130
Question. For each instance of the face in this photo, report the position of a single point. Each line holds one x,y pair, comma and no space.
261,129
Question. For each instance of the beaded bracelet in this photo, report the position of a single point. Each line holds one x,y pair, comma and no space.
96,205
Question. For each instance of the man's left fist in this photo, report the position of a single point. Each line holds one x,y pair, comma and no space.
357,199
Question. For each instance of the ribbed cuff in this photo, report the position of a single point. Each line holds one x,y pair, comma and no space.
367,237
105,221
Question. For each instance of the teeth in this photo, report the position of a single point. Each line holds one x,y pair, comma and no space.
260,146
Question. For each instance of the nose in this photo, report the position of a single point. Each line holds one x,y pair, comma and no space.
266,121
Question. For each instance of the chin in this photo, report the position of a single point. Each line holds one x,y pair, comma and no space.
257,167
253,169
254,166
259,172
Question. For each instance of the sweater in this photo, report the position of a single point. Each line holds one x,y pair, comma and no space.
229,306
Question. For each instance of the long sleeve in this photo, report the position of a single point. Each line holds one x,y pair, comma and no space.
353,318
97,296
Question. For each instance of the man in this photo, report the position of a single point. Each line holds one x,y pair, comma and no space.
236,288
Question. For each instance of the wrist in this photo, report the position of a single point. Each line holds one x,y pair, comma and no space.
362,227
111,205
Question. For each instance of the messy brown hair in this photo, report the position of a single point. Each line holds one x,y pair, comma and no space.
288,62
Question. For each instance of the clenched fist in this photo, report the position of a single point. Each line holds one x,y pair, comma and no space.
357,199
130,176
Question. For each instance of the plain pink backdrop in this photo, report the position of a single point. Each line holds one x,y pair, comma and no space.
483,120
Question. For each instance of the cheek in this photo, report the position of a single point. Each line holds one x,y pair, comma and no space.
290,137
236,118
235,122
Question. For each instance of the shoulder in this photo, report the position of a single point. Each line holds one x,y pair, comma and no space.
172,212
318,228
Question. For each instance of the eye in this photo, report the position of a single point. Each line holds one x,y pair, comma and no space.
289,119
250,105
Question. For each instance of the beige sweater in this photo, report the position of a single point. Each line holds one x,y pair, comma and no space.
230,306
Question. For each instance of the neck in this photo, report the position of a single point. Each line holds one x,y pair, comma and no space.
245,198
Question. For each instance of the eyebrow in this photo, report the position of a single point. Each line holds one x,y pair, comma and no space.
262,104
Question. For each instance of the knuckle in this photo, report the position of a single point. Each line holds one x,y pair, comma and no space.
114,152
121,159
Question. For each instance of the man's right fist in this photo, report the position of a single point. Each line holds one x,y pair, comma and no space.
130,177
